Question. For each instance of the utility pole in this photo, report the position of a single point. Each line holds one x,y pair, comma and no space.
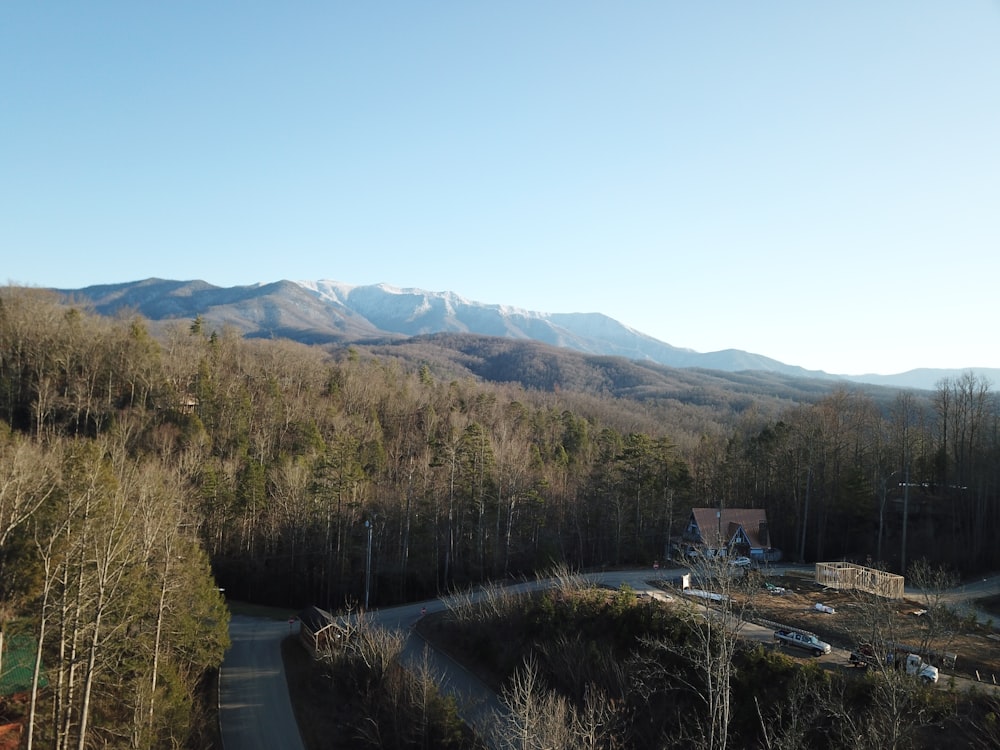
881,515
368,564
906,516
718,517
805,512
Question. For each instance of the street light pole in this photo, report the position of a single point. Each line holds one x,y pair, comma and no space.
368,564
906,516
881,515
881,522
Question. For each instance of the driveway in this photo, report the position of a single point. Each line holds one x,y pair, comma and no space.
255,712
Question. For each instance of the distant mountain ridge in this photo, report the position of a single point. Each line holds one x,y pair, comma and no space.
323,312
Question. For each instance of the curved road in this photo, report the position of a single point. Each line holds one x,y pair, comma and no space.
255,712
254,709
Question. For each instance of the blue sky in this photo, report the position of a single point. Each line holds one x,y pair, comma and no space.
815,182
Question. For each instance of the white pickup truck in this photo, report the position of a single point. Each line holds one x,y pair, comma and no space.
804,641
864,656
919,668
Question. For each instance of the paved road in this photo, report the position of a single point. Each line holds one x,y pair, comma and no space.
962,598
255,712
254,709
479,706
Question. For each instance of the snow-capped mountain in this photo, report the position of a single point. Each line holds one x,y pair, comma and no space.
335,312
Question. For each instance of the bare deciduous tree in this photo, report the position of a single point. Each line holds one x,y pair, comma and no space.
715,612
895,709
933,582
536,719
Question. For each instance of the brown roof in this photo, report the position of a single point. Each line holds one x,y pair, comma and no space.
732,518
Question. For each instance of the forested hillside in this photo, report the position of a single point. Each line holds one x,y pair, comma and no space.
135,467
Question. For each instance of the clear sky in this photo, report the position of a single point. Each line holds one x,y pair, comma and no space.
815,182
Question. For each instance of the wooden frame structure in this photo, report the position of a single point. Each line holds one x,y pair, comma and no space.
845,575
316,627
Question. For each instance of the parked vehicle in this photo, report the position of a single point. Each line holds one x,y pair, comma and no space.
864,656
919,668
806,641
741,562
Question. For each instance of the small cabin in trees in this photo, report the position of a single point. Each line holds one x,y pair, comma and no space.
730,531
317,628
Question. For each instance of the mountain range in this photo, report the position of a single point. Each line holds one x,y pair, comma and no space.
330,312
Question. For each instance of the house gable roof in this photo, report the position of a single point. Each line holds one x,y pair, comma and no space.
733,519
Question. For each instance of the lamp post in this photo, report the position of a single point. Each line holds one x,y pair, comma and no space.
881,515
906,516
368,564
718,517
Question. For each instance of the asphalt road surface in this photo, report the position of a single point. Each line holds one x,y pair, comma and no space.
254,708
255,712
477,704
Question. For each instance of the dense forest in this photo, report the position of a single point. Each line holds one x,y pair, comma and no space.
141,472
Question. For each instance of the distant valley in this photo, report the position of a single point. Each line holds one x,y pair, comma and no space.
328,312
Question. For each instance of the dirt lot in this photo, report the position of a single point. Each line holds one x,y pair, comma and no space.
977,647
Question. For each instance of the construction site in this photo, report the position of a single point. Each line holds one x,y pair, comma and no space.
835,602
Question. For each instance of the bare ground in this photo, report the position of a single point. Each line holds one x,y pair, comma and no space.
976,646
